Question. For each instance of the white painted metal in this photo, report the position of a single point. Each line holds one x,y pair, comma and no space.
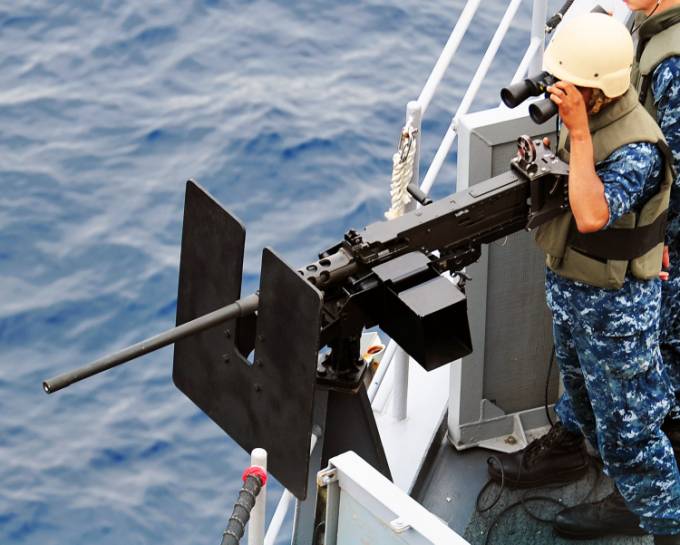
382,370
447,54
414,118
258,514
371,509
282,507
538,19
470,94
473,420
527,60
408,441
401,359
400,395
278,518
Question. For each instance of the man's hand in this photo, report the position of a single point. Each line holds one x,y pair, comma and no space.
665,264
586,190
572,107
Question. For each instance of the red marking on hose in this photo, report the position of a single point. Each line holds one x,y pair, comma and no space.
257,471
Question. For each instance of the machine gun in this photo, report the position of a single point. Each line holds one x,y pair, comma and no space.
271,367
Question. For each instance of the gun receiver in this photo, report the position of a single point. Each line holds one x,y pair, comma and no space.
388,274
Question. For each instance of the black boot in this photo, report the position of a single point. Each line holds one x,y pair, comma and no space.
607,517
667,540
559,456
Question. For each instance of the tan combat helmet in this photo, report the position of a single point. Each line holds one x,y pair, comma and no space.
592,50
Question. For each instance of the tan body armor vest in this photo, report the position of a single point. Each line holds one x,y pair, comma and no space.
652,51
569,253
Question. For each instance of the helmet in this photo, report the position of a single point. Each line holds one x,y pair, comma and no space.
592,50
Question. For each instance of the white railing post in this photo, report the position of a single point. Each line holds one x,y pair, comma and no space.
400,364
414,117
538,18
258,515
401,360
380,373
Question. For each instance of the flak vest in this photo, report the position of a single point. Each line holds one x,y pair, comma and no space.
634,243
659,39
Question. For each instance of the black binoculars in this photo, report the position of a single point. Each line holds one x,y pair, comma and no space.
513,95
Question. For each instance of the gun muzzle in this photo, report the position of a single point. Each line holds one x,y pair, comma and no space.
240,308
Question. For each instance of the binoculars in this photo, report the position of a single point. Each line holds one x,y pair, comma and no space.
513,95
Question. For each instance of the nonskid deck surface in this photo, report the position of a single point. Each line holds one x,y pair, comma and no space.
455,479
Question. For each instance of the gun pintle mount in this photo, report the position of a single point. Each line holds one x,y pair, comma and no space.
390,274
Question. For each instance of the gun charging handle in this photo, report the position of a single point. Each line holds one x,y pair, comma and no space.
242,307
418,194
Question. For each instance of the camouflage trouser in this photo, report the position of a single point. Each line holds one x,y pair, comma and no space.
620,395
669,339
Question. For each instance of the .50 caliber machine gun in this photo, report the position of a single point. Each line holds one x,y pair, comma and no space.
271,367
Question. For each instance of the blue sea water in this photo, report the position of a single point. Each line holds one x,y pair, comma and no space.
287,112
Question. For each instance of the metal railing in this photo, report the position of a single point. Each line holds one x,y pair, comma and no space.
415,110
531,62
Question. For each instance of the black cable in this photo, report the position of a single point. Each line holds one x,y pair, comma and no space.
512,506
524,500
318,532
488,484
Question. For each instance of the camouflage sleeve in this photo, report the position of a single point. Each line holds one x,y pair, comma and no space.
631,175
666,89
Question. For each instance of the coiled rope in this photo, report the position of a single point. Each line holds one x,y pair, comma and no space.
402,172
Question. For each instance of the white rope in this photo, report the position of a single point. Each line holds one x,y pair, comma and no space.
402,173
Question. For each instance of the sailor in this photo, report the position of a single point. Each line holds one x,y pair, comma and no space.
602,281
657,79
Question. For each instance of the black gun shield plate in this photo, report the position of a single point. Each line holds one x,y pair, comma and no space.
268,404
286,350
211,262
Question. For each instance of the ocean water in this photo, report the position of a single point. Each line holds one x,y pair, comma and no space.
287,112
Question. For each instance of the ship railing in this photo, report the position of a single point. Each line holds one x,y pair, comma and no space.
415,111
394,356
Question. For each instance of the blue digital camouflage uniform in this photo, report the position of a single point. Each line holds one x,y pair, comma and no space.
607,347
666,90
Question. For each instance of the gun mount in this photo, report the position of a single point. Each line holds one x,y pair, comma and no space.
269,367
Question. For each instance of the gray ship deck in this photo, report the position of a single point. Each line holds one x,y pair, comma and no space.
451,485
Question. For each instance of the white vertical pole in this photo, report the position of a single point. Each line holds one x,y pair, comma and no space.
414,114
538,18
400,391
257,516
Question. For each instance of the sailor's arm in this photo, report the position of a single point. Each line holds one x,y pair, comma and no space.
586,190
666,90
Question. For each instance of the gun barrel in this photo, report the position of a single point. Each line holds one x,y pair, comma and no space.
242,307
